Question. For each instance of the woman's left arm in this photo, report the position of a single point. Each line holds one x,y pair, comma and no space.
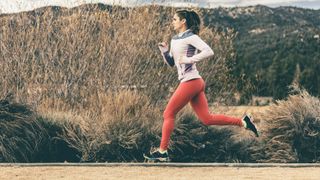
198,43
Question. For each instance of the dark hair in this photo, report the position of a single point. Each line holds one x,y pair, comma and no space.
192,19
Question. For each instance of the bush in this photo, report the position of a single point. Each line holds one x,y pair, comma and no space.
128,125
27,137
53,148
292,129
21,134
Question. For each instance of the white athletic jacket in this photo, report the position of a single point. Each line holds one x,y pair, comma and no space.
188,48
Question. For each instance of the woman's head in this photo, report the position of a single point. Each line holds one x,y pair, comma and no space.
189,19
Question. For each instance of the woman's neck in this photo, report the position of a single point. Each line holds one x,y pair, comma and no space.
183,29
182,32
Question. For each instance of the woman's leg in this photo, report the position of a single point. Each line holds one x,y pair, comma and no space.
183,94
200,105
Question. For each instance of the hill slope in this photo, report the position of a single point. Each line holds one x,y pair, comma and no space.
273,45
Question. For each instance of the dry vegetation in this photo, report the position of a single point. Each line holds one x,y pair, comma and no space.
292,130
75,55
96,86
18,140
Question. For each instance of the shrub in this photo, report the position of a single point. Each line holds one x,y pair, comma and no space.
292,129
127,127
21,134
53,148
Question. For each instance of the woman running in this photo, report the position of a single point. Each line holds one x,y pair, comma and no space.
186,49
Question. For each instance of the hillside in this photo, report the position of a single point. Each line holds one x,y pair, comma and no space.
273,44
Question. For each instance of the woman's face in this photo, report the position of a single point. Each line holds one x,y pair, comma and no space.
178,23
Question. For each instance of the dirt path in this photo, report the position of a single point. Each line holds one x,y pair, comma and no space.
234,173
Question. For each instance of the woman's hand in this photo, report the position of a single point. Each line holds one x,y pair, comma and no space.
163,46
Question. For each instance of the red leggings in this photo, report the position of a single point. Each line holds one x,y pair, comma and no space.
191,91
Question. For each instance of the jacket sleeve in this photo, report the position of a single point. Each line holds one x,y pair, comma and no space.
168,58
199,44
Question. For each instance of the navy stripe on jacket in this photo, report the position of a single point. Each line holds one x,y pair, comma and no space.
168,58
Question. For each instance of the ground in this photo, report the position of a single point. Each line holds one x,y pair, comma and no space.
140,172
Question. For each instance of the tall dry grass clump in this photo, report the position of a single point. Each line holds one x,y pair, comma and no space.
54,147
21,134
27,137
292,130
130,129
129,126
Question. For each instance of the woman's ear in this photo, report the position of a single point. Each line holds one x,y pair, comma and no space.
184,21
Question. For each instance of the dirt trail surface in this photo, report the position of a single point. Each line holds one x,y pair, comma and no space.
153,172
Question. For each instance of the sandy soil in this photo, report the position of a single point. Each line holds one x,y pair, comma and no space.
224,173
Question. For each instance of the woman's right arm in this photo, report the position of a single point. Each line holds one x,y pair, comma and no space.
198,43
167,57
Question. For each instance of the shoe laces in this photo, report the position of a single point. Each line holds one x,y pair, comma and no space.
153,150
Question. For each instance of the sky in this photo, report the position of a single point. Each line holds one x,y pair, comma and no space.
11,6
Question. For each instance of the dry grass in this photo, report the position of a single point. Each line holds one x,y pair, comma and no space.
122,132
75,55
289,134
291,130
21,134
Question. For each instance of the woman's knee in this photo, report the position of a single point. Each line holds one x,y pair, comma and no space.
168,114
205,120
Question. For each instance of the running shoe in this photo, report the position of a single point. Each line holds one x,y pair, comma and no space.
157,156
249,124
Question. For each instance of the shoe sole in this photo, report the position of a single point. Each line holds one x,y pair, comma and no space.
156,159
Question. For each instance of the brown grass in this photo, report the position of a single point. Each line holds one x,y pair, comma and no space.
291,130
74,55
21,134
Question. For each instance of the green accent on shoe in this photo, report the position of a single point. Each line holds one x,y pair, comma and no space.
157,156
244,124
